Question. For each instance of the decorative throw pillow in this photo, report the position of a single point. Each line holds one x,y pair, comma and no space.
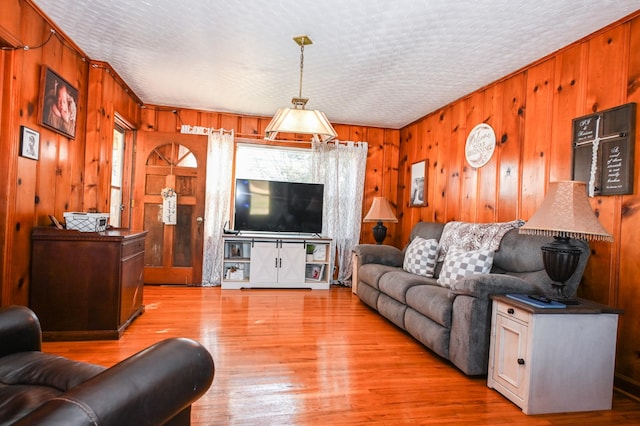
421,256
459,264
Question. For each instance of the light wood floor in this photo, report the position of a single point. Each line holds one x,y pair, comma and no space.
300,357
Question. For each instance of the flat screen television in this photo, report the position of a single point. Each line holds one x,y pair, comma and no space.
272,206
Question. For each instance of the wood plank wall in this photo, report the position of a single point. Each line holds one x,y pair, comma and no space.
70,174
531,112
382,160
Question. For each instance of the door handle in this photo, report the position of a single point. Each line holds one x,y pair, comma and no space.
199,220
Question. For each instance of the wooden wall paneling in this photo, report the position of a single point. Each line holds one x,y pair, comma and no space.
148,119
458,131
537,136
428,148
105,137
189,117
10,20
404,217
93,141
605,88
469,191
14,288
167,120
357,134
23,204
391,141
568,103
487,174
628,284
229,121
511,141
208,119
249,126
8,134
446,150
373,184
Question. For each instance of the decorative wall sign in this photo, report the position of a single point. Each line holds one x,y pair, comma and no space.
480,145
603,150
169,206
418,184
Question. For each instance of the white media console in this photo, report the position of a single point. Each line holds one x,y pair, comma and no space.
274,261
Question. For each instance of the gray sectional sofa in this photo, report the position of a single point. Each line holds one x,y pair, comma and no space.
454,322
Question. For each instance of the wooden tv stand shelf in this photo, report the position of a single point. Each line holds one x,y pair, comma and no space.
553,360
86,285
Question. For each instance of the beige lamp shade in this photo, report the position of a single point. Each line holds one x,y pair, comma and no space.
566,212
301,121
380,211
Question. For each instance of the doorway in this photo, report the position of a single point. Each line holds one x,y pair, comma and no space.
168,163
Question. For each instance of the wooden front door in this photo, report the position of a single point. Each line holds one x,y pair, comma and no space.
170,161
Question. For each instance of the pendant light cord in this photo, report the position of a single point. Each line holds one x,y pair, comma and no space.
301,68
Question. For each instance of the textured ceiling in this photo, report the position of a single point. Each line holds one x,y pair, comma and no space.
373,62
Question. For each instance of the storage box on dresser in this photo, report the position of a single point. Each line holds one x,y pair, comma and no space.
86,285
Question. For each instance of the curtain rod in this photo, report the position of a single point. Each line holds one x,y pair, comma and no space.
201,130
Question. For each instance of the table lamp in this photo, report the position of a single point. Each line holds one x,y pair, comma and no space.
565,213
380,211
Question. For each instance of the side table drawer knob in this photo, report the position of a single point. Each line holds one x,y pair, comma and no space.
520,361
511,311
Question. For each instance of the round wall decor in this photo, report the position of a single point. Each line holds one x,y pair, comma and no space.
481,143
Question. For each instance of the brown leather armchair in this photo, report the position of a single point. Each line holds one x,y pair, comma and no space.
153,387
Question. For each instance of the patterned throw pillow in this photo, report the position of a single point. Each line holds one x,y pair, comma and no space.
459,264
421,256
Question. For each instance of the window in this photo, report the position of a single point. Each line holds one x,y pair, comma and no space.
117,169
273,163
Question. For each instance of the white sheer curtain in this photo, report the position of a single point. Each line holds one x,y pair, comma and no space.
216,211
341,168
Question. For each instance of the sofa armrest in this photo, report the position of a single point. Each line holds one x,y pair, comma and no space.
379,254
150,387
485,285
19,330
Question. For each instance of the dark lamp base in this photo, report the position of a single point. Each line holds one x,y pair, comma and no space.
560,259
379,233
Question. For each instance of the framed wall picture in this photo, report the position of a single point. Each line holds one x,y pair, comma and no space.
418,184
58,103
235,250
29,143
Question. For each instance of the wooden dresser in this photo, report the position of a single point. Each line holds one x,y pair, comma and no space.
86,285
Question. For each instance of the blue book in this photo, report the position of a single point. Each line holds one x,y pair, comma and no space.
538,304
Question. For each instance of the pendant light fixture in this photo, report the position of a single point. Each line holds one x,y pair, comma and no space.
299,120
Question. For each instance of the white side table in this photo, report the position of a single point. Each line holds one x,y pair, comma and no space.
553,360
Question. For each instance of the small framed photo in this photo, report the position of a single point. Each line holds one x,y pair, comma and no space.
58,103
235,250
29,143
314,272
418,184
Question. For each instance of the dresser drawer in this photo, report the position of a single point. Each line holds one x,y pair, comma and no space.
133,247
511,311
